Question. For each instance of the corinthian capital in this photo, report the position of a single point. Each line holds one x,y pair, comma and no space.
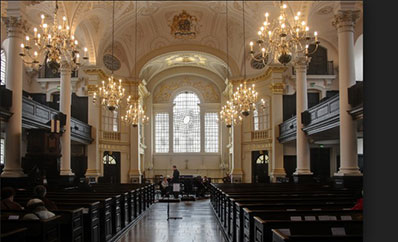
301,62
65,67
15,25
345,18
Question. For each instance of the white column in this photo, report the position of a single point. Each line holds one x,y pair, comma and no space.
345,22
15,30
65,108
278,169
236,170
134,172
302,146
93,160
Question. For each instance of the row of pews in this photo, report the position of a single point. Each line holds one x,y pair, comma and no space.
94,216
286,212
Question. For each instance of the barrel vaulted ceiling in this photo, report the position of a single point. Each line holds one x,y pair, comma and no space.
92,22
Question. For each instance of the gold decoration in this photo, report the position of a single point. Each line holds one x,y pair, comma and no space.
184,26
277,88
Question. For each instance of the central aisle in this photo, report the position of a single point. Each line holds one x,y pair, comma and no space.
198,224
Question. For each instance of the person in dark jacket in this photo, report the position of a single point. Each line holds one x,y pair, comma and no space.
40,192
176,175
7,199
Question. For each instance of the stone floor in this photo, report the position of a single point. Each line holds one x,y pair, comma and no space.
198,224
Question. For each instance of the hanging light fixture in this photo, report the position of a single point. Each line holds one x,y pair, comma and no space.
135,113
245,98
282,38
110,92
54,42
229,113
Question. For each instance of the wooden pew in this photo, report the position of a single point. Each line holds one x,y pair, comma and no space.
237,217
13,235
47,230
280,236
71,223
248,217
263,228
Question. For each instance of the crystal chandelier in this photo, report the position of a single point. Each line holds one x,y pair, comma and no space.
230,115
245,98
54,42
282,38
111,92
134,114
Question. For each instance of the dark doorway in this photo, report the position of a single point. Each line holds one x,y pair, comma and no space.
290,165
260,161
111,161
320,164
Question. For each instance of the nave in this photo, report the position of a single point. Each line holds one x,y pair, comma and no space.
198,224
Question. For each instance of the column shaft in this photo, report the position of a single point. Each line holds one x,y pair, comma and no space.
14,82
278,169
344,21
65,108
302,146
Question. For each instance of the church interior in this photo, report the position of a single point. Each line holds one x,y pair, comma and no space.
242,118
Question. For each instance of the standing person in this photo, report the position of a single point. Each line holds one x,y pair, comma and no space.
176,179
176,175
7,199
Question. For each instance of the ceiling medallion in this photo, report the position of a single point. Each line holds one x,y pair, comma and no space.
111,62
184,26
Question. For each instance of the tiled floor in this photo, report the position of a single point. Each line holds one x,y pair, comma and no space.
198,224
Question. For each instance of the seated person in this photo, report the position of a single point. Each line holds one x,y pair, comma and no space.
359,204
7,199
164,187
37,210
40,192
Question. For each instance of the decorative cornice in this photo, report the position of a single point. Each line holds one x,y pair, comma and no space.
100,73
264,76
346,18
15,24
277,88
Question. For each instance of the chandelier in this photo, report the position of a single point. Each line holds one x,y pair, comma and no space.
111,92
230,115
282,38
245,98
54,42
134,114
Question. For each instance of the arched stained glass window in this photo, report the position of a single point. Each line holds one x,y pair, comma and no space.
186,123
109,160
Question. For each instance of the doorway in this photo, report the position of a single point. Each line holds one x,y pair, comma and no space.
111,161
320,164
260,161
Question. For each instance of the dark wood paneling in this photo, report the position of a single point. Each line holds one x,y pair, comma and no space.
79,108
290,165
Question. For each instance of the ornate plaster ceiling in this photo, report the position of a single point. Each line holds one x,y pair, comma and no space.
183,58
92,22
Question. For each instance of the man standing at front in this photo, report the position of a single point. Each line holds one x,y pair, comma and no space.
176,180
176,175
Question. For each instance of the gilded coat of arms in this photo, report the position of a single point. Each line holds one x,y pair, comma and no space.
184,26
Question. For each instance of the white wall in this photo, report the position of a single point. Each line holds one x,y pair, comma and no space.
358,58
